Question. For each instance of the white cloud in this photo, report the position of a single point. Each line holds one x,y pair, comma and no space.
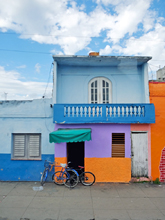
21,67
11,84
150,44
53,22
56,52
70,27
37,67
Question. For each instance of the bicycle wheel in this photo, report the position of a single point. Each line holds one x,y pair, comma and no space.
70,178
87,178
57,178
44,176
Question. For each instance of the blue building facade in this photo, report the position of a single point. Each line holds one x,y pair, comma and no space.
24,139
110,96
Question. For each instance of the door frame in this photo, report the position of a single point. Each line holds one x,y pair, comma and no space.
148,157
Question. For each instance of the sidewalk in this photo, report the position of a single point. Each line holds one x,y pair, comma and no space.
115,201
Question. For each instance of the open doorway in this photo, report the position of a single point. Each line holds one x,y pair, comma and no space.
75,154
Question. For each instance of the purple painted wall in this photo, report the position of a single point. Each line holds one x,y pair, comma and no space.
100,145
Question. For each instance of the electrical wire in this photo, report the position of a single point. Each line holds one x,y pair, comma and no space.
23,51
48,80
48,53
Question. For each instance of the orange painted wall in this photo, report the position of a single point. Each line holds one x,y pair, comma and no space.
58,161
106,169
109,169
157,97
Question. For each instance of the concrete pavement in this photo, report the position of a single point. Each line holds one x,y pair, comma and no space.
111,201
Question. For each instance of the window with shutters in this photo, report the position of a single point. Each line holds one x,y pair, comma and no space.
118,144
26,146
100,90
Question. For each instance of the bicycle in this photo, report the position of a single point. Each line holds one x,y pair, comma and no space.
86,178
67,176
48,167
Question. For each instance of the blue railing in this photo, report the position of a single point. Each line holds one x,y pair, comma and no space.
103,113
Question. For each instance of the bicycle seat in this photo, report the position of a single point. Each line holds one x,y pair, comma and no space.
81,167
63,164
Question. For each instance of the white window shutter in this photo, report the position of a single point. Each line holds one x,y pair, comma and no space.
34,145
19,146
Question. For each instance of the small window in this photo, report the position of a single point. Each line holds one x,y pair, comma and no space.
26,146
118,145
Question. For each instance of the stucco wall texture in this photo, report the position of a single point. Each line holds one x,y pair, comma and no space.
157,97
98,158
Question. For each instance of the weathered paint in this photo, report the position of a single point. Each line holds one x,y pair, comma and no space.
23,170
24,117
162,166
139,154
157,97
144,128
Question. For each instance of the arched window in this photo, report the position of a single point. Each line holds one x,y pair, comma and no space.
100,90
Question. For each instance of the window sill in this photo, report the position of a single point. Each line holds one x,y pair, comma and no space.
26,159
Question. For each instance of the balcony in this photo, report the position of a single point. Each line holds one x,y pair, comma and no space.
104,113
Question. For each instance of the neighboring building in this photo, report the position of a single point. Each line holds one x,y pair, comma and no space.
24,139
108,97
157,97
160,74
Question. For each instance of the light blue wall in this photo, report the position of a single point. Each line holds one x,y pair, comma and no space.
24,117
127,83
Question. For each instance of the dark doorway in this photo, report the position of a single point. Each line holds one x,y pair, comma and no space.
75,154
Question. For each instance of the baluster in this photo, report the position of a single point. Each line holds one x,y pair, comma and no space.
139,111
107,111
125,112
110,111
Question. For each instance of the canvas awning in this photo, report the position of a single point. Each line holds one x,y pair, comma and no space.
70,135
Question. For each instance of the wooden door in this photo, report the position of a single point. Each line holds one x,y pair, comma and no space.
139,150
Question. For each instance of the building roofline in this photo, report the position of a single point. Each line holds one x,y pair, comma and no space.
78,60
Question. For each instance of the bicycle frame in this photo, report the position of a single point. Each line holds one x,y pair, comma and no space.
64,170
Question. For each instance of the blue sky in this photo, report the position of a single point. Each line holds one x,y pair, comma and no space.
32,30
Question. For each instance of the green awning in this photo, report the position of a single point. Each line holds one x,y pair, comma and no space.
70,135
